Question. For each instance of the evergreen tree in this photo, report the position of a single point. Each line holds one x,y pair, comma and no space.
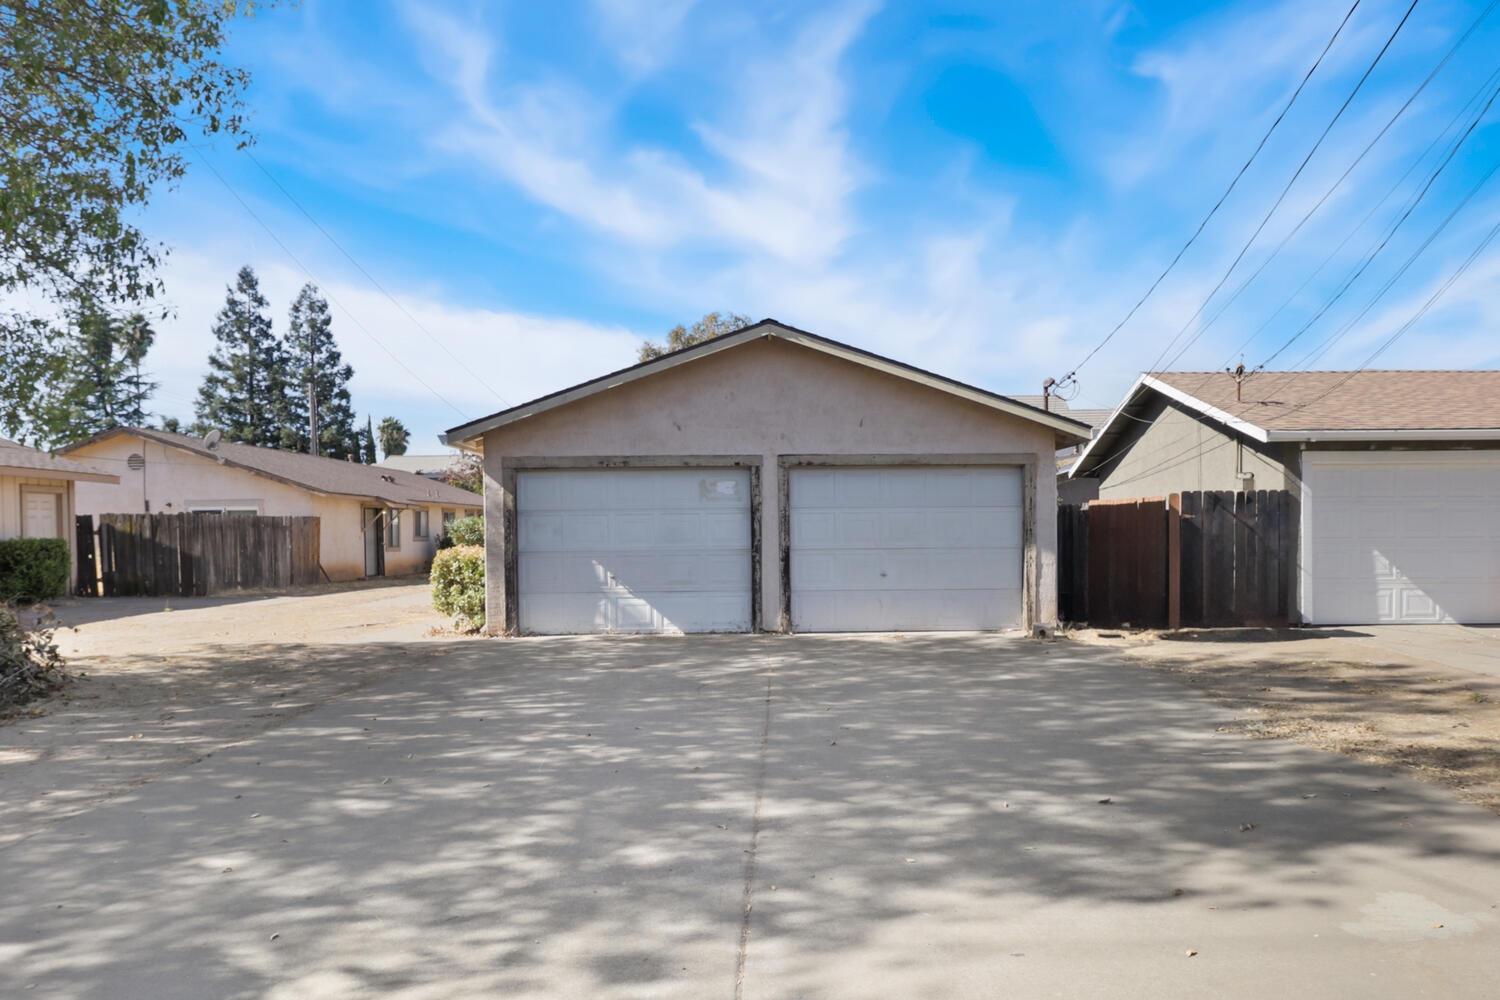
368,445
244,393
394,437
316,362
103,385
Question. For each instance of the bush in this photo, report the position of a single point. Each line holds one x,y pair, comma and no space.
467,530
30,665
33,569
458,584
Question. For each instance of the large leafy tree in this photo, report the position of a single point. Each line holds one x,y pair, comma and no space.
394,437
712,325
318,376
97,101
244,394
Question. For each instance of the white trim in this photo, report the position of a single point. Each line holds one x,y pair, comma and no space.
1305,547
474,429
1245,427
1460,458
1415,434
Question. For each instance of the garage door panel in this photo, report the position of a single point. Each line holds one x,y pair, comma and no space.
634,550
1404,538
906,548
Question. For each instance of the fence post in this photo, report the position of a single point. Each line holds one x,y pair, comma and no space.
1174,561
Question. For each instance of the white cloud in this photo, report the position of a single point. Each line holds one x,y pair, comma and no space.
643,33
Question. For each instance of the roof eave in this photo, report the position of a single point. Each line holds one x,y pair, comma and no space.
1389,434
72,475
466,436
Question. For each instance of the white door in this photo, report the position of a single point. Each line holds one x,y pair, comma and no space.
1401,537
634,550
877,549
41,514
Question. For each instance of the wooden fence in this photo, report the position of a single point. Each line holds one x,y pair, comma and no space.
1188,560
199,554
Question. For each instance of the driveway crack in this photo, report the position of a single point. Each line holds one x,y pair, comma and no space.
748,895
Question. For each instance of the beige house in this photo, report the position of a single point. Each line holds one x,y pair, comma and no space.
37,494
770,479
373,521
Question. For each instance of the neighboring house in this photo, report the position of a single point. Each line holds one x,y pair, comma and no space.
1069,490
770,479
431,466
1397,473
373,521
37,495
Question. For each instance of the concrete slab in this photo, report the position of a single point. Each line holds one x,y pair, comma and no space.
760,817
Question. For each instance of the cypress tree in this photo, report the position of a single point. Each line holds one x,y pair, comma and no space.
244,394
316,361
369,457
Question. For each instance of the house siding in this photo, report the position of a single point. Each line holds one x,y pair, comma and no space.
173,481
770,398
1177,452
10,510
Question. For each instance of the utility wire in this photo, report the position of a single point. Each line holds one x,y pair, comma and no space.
313,278
1157,365
462,365
1265,220
1493,79
1218,204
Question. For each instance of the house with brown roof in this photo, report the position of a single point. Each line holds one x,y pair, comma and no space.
373,521
37,493
1397,473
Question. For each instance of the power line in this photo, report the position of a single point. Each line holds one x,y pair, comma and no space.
1222,198
1198,450
1333,254
312,277
462,365
1202,329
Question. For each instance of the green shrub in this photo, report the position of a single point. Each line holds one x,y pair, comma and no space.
458,584
467,530
33,569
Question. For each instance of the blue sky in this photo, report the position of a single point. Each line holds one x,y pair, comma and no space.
503,199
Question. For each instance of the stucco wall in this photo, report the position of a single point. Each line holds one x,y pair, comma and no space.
10,510
772,398
1177,452
173,481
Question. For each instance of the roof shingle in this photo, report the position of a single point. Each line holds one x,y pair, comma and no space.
1351,401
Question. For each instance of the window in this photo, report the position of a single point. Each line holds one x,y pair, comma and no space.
217,507
448,518
419,523
392,528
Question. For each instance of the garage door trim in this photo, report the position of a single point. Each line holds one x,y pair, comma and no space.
1030,564
511,467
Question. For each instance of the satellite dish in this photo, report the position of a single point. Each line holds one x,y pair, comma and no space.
211,439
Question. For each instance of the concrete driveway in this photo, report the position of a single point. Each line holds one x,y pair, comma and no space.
821,817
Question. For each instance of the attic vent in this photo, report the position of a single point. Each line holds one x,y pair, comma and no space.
135,463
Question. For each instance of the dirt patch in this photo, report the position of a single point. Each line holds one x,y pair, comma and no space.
1440,723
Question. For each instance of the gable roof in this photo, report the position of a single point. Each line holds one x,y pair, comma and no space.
466,434
19,460
310,472
1387,405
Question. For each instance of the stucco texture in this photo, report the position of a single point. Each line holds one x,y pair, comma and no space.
769,398
183,480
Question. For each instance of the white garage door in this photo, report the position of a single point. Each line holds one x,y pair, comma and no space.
905,548
1401,537
634,550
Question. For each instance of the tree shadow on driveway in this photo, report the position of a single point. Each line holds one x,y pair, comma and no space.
762,816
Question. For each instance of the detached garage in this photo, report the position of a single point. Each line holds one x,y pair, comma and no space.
769,480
